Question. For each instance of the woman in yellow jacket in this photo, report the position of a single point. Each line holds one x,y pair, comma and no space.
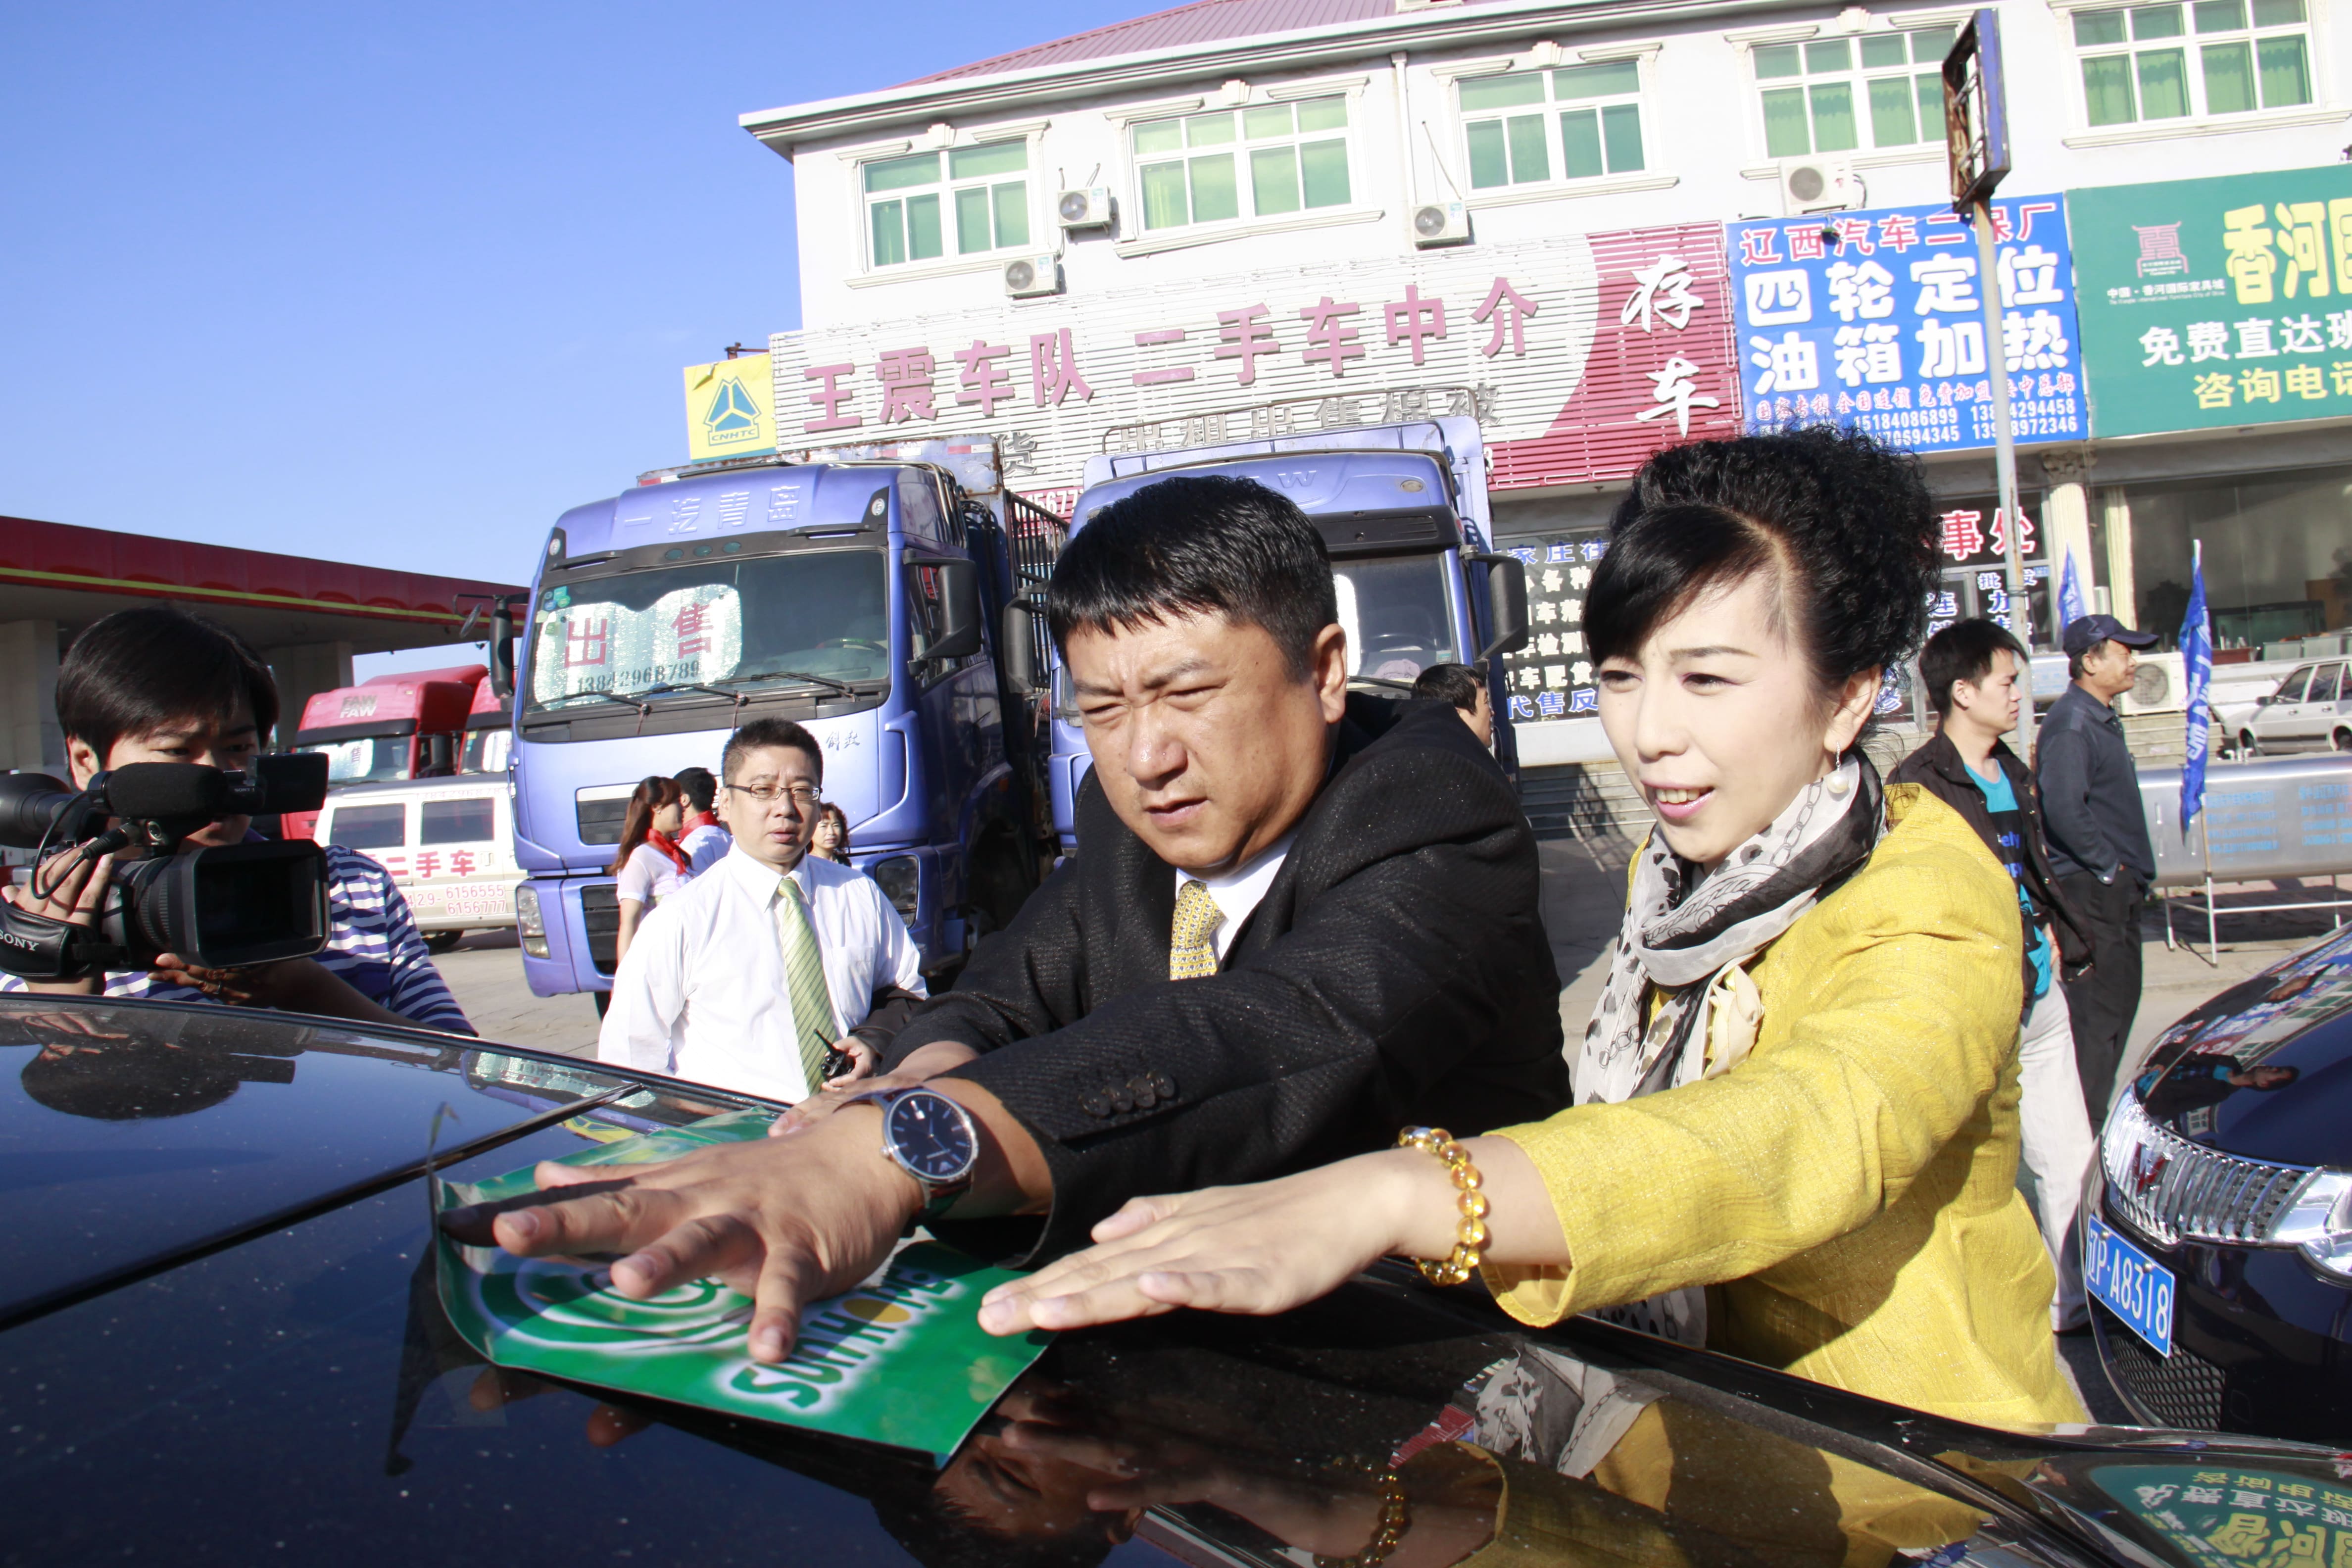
1795,1137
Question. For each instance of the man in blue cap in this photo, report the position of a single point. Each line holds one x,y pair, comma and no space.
2098,841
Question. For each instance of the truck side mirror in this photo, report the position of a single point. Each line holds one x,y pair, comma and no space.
960,620
1507,604
503,650
440,757
1016,648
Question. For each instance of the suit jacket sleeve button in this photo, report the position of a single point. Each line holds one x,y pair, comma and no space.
1121,1100
1096,1104
1164,1086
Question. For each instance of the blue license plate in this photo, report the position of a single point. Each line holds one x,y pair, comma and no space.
2134,1286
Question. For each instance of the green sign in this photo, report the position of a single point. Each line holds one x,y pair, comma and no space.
2217,302
2222,1516
901,1359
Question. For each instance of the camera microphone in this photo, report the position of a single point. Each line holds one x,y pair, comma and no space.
160,791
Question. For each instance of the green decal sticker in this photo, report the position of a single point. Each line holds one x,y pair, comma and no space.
2226,1516
901,1359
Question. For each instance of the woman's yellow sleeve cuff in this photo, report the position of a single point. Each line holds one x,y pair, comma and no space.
1537,1296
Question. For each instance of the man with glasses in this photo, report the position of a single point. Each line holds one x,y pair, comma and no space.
753,976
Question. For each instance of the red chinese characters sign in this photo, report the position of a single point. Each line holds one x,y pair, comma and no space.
1578,357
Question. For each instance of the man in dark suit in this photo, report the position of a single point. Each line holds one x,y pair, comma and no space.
1298,919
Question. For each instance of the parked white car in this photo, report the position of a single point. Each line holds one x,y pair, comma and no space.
448,842
2310,712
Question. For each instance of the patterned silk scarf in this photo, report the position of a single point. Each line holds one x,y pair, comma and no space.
1684,932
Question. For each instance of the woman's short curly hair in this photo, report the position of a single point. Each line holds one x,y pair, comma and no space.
1844,522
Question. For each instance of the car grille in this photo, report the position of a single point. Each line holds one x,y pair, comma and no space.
599,921
2168,1188
2183,1389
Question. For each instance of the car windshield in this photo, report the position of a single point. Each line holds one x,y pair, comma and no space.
712,622
1397,619
365,759
486,750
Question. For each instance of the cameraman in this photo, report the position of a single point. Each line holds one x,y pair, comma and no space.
159,685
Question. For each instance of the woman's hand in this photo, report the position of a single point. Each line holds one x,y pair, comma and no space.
75,898
1259,1249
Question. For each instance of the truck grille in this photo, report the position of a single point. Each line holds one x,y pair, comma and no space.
2182,1390
2168,1189
600,919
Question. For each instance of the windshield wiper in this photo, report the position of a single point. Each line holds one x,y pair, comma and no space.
841,686
671,688
630,702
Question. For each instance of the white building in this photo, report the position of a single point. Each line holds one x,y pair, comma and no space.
1118,203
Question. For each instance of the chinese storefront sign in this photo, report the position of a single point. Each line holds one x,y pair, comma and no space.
2214,303
1874,319
1539,343
729,411
1551,678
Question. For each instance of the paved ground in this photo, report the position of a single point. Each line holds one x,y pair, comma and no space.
485,973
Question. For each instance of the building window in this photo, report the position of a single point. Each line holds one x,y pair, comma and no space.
2213,57
1264,161
1592,125
910,206
1891,83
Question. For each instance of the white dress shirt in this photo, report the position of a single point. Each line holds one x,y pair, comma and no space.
648,876
701,995
705,847
1236,892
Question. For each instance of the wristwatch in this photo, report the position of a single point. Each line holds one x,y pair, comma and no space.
933,1140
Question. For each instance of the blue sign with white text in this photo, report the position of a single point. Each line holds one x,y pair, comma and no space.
1874,319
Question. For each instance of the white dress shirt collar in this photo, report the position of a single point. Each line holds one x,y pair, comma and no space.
1238,892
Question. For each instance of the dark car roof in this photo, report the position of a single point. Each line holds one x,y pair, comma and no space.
2296,1015
222,1339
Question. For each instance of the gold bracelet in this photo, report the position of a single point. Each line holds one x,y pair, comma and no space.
1396,1517
1470,1235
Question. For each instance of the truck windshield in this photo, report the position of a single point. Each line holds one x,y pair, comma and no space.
486,750
1396,615
365,759
710,622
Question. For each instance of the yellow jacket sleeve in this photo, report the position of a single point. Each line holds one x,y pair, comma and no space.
1890,1013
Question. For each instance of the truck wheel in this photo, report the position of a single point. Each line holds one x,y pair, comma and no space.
439,942
2343,740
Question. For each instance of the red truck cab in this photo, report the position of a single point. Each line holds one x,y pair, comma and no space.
490,730
405,726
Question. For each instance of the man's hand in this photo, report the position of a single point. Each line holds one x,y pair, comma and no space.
785,1221
941,1056
75,898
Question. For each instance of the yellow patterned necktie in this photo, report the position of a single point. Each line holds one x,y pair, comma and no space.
1192,950
804,981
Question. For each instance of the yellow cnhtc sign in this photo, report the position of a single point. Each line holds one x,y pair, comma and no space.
729,408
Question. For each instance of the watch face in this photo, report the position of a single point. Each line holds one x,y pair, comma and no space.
930,1135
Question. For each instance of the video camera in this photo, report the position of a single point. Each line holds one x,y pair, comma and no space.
214,906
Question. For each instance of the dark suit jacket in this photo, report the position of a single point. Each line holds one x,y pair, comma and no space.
1396,972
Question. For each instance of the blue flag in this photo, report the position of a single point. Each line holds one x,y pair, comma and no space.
2070,607
2197,663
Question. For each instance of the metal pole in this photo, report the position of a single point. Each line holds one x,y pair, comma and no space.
2004,456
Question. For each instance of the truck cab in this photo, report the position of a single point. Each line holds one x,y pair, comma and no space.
395,727
856,593
1403,510
489,732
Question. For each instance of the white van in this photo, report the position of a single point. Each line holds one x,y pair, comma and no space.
448,842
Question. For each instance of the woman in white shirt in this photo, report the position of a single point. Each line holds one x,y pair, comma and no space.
649,864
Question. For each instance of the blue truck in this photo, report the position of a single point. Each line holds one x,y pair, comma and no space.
860,591
1403,510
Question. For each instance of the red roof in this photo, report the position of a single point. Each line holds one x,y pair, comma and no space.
1203,22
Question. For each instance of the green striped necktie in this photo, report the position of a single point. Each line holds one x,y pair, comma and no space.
804,981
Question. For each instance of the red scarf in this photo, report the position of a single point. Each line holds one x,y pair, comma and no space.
669,846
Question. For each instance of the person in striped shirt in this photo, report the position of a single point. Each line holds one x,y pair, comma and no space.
157,684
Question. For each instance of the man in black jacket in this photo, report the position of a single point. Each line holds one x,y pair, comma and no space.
1298,919
1972,670
2098,840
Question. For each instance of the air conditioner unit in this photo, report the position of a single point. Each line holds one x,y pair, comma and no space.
1818,186
1088,208
1031,276
2162,686
1441,223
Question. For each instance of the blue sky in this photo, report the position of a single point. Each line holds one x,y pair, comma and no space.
397,284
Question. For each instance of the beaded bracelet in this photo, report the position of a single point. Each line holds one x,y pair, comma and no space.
1396,1517
1470,1235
